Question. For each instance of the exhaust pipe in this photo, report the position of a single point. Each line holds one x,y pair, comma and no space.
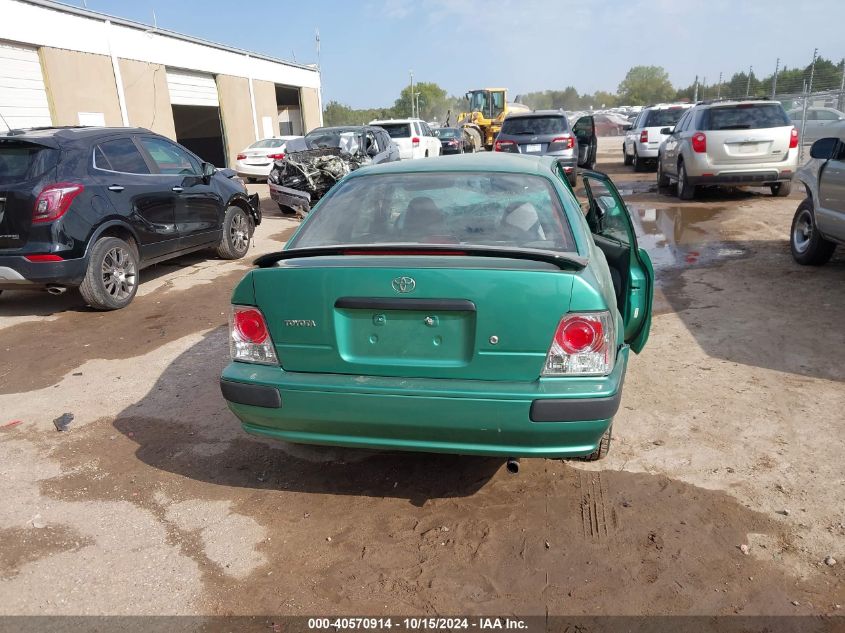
56,290
513,465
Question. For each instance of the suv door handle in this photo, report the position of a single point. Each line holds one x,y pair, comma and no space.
177,189
116,188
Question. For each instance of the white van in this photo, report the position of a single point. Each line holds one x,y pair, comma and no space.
413,136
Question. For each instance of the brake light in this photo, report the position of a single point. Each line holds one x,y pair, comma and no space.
504,146
793,139
415,141
249,338
565,142
699,143
42,258
644,136
278,156
241,157
54,201
434,253
584,344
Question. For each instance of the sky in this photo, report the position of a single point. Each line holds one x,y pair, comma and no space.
368,47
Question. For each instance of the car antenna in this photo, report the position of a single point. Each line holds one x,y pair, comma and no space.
6,123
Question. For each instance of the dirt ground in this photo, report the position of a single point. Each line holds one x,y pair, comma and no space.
731,433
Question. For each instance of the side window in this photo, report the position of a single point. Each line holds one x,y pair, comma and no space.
615,222
384,140
371,141
824,115
427,130
417,131
170,158
120,155
681,126
641,120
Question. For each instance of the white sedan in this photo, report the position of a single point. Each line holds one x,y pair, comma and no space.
256,161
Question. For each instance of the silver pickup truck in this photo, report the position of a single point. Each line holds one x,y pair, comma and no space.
819,222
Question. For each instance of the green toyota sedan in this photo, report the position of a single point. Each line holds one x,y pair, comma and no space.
455,305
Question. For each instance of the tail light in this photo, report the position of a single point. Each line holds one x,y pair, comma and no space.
241,157
793,139
561,142
644,136
584,344
54,201
505,146
278,156
47,257
249,338
415,141
699,143
452,143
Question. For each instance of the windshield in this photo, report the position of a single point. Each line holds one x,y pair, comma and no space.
396,130
447,132
745,117
20,161
345,139
267,142
663,118
473,209
535,125
478,102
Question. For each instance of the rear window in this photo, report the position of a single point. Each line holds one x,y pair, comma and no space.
397,130
745,117
447,132
20,161
535,125
473,209
267,142
663,118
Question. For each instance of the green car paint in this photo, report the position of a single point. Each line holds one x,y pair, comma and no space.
469,381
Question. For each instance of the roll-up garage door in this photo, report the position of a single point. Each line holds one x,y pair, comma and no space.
194,89
23,96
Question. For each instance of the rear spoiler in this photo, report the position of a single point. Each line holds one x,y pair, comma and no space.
564,261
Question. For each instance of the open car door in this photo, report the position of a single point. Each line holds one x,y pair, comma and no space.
585,131
631,269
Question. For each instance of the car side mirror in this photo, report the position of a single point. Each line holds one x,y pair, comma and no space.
824,148
667,130
208,171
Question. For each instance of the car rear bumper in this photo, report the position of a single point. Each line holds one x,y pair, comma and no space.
293,198
18,272
561,417
741,178
647,150
253,171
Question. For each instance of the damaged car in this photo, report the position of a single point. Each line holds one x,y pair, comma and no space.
315,162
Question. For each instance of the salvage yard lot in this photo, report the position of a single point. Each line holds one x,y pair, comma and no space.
730,434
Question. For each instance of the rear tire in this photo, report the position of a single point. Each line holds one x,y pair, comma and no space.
808,247
626,160
686,191
603,447
573,179
237,232
639,165
111,279
781,189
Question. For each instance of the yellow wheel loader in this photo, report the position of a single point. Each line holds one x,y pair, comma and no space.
488,107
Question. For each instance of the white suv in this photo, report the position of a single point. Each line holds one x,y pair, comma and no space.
413,136
731,143
644,138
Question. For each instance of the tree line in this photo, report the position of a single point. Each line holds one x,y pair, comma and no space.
642,85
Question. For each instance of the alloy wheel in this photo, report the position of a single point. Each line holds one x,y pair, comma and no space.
119,273
239,232
802,233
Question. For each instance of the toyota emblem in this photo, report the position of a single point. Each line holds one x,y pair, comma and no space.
404,284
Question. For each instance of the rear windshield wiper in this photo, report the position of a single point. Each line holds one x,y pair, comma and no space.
564,261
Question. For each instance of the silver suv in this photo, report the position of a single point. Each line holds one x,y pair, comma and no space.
819,222
732,143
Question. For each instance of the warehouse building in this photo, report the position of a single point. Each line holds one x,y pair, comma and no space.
64,65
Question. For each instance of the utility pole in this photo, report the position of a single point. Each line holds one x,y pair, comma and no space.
775,79
748,85
703,87
841,99
808,88
412,93
695,92
719,89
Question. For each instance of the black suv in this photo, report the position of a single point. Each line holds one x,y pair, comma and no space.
89,207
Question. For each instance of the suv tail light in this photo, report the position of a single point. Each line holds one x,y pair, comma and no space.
278,156
249,338
793,139
505,146
240,157
584,344
699,143
415,142
54,201
561,142
644,136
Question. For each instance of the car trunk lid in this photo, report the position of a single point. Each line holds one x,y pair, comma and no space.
426,317
24,166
